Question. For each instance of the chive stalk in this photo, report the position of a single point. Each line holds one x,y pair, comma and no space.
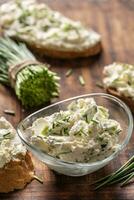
69,72
81,80
38,179
9,112
123,175
33,82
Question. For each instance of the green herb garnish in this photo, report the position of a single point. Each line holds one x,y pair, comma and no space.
86,118
33,82
123,175
94,121
6,135
64,152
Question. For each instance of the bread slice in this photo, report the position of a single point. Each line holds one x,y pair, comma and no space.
16,167
47,32
41,50
127,100
16,174
118,81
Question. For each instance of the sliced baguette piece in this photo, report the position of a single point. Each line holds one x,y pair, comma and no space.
16,167
41,50
16,174
118,69
47,32
127,100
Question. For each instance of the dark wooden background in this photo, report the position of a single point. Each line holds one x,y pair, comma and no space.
114,20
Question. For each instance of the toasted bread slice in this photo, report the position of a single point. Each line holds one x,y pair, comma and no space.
48,32
127,100
16,168
118,80
16,174
44,51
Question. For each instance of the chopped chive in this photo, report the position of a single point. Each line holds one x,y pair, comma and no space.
86,117
69,72
40,137
24,128
5,136
38,179
95,121
100,85
65,152
81,80
9,112
118,132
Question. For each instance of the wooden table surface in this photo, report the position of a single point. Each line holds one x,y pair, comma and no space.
114,20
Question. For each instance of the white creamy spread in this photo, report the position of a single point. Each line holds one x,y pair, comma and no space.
120,77
35,22
10,144
82,133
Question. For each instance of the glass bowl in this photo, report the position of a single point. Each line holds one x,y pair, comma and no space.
117,110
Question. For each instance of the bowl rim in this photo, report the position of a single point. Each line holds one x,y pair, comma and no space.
105,160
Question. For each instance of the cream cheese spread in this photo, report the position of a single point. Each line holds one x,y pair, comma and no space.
120,77
10,144
35,22
82,133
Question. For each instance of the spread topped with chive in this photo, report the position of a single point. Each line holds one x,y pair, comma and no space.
120,76
82,133
10,144
34,22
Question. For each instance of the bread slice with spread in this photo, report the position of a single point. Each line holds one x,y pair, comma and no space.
119,81
46,31
16,168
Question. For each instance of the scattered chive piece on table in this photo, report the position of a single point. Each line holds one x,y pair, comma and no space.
38,179
69,72
81,80
123,175
9,112
100,85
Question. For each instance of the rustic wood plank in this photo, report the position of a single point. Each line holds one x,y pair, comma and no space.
114,20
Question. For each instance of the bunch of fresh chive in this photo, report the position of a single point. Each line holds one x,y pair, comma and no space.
123,175
34,84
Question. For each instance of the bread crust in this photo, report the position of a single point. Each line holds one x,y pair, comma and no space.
16,174
55,53
127,100
91,51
